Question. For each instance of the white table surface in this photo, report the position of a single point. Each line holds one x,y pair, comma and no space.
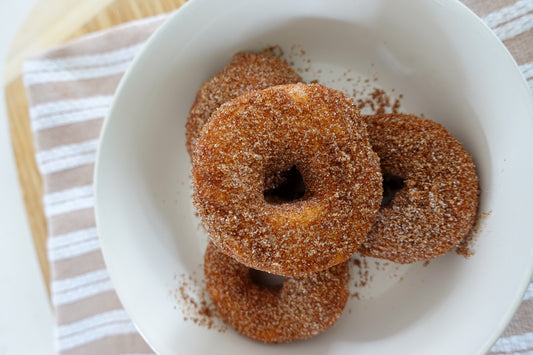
26,319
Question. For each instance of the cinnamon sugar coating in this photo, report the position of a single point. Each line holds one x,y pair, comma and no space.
252,138
437,206
300,309
245,72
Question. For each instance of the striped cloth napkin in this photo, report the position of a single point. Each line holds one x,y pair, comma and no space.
70,89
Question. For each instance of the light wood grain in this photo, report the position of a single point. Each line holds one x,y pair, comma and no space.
50,23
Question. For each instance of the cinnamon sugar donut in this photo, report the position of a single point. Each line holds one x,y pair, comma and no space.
299,309
437,206
245,72
252,138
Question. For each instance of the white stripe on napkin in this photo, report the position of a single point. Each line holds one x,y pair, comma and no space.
74,249
81,61
68,163
67,239
68,200
82,292
80,287
46,156
514,343
75,74
69,118
62,106
66,156
93,328
58,286
54,198
508,13
527,69
515,27
72,244
117,315
529,292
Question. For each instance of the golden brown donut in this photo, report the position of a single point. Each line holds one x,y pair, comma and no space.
299,309
245,72
437,206
248,140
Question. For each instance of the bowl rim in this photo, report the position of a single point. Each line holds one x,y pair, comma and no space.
198,5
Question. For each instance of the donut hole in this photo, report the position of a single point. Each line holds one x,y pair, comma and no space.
284,186
391,185
266,279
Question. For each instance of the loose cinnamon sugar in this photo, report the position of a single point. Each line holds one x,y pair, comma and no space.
363,273
466,248
370,98
396,105
296,51
371,277
193,301
274,50
379,102
362,276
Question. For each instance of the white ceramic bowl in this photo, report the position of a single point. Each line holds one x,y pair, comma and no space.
448,66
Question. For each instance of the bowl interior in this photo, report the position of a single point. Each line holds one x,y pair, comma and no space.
447,66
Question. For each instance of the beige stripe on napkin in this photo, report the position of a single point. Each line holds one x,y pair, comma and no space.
70,89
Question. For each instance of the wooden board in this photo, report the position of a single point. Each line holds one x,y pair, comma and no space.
53,22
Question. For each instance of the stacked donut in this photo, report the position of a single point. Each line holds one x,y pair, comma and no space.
288,179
